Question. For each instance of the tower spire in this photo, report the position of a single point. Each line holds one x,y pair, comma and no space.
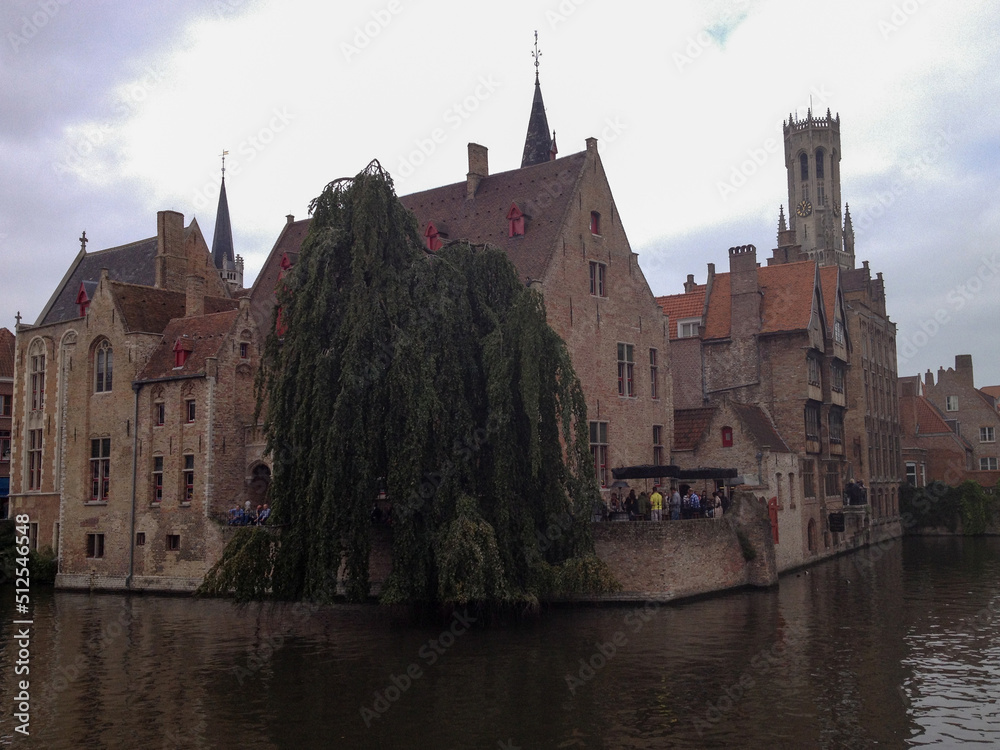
222,241
782,226
537,142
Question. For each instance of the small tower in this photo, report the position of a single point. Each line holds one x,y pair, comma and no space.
230,266
812,162
539,146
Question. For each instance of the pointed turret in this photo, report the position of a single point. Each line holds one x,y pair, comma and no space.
848,231
222,242
538,146
782,226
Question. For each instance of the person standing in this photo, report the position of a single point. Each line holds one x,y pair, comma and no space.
695,504
675,504
717,509
656,501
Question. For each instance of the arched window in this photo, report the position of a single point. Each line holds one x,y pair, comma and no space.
103,367
819,163
36,359
804,166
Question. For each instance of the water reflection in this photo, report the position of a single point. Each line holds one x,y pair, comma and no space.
893,649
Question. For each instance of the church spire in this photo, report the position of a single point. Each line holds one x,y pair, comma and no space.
537,143
222,242
782,226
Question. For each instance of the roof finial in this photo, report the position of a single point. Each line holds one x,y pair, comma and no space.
18,319
224,155
782,226
84,241
536,54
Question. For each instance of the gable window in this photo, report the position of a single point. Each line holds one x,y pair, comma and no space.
189,410
159,413
103,361
157,479
5,405
100,469
182,350
988,463
95,546
813,370
4,445
812,422
838,378
838,331
34,459
82,299
173,542
595,222
597,275
987,435
727,437
951,403
626,367
188,477
37,381
244,350
599,450
654,375
515,221
688,327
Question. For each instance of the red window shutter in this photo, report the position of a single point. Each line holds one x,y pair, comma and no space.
515,221
727,437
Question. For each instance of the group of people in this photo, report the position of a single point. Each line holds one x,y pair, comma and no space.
249,516
656,506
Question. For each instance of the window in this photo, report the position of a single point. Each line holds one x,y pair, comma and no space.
103,360
820,194
804,167
182,349
836,426
819,163
654,379
244,350
911,473
808,479
688,327
157,479
4,445
515,221
727,437
814,378
140,539
37,382
95,545
189,410
988,463
34,459
595,222
657,445
597,275
159,413
838,378
987,435
100,469
951,403
812,422
626,366
188,477
832,479
5,405
838,331
173,542
599,450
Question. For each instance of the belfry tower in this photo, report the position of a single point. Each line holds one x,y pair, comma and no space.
812,162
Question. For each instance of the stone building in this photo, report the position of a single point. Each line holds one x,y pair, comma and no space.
6,411
131,410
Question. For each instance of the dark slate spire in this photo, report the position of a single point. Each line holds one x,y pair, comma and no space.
537,143
222,242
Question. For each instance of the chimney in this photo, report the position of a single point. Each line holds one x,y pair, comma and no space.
479,169
592,144
689,285
744,291
289,218
194,301
929,379
171,260
963,369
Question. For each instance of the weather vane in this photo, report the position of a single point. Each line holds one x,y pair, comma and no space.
224,155
536,54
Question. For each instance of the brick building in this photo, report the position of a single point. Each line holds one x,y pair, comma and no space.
931,449
6,411
131,410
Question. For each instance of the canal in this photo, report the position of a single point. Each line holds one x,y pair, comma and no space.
890,650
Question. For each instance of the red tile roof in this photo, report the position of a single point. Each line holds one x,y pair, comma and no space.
146,309
929,419
786,305
679,306
690,426
6,353
993,392
204,334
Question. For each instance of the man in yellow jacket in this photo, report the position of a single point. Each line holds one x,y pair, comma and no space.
656,503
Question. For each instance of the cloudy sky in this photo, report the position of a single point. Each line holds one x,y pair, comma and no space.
111,111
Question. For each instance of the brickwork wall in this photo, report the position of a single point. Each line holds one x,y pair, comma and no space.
685,367
973,410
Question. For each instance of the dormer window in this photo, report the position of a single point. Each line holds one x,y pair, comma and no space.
432,237
182,349
515,219
595,222
727,437
83,299
687,328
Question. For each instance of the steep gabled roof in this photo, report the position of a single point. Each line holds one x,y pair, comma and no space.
993,391
134,263
203,336
679,306
760,427
146,309
690,426
6,353
542,192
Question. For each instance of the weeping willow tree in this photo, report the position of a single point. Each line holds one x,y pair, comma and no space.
433,376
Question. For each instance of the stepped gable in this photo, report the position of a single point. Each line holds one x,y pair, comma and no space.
134,263
786,304
6,353
542,192
205,334
690,426
760,427
147,309
680,306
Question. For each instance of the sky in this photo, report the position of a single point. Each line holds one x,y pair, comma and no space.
111,111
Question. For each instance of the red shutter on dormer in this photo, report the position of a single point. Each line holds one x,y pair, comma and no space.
182,348
515,219
82,300
432,238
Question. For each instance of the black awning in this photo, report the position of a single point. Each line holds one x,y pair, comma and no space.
673,472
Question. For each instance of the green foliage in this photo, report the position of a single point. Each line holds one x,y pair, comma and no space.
7,551
43,567
939,506
244,570
746,546
437,377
